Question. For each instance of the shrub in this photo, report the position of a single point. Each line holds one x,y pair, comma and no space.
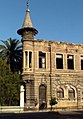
53,101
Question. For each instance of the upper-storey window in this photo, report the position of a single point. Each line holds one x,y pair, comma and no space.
59,61
81,62
70,61
28,59
42,60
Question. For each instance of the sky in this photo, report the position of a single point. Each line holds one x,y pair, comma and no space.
56,20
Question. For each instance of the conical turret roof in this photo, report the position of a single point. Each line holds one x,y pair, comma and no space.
27,20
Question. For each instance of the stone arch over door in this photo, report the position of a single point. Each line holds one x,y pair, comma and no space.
42,96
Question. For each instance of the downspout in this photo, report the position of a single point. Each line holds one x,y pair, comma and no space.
50,50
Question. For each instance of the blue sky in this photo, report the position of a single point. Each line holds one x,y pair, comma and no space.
59,20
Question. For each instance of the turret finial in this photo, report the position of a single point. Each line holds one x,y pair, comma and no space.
27,4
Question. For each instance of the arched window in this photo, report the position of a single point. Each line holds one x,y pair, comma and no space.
71,93
60,93
42,96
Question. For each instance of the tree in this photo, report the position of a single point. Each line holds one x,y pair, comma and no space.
53,102
9,86
11,51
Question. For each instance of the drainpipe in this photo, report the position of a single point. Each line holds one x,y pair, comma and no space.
50,50
77,98
33,60
33,56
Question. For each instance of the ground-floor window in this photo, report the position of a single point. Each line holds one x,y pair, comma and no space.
60,93
71,93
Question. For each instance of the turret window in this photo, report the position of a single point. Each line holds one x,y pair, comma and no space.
28,59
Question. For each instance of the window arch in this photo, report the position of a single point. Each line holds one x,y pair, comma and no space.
71,93
60,93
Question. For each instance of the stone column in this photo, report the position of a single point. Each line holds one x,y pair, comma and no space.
64,61
22,96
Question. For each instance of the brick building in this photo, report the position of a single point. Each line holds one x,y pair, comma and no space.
50,69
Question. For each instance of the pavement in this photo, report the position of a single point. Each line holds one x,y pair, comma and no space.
43,115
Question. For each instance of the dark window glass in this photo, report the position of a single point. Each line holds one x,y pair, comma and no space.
81,62
70,62
59,61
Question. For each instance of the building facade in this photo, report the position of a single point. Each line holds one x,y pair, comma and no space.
50,69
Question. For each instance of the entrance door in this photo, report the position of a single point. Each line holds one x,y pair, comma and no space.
42,97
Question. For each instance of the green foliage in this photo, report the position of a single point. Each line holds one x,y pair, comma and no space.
53,101
4,68
11,51
9,85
